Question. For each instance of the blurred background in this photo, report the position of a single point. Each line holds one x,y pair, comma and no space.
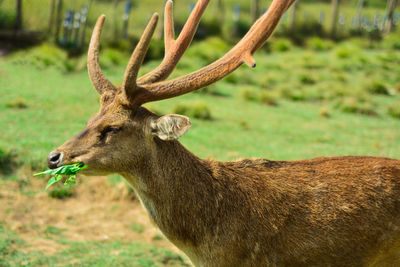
326,83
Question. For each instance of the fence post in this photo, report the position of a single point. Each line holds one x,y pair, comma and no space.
342,21
115,16
335,14
18,16
360,6
84,13
219,12
292,19
76,28
67,28
391,5
255,10
236,15
51,18
58,21
125,19
321,17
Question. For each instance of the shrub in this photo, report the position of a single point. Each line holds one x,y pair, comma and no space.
264,97
249,93
8,162
346,51
156,49
46,56
208,28
111,56
17,103
209,50
198,110
394,110
294,94
343,52
392,41
377,87
318,44
396,88
306,79
6,19
303,30
281,45
353,105
268,98
324,113
244,125
60,193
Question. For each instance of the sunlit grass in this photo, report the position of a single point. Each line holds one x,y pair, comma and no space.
302,81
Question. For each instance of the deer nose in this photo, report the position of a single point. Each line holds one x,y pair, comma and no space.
54,159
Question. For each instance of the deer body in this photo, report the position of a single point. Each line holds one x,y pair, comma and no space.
342,211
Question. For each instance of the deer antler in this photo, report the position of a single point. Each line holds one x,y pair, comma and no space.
174,49
129,84
152,87
96,75
241,53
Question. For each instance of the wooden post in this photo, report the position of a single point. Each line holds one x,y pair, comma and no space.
322,17
125,19
360,6
84,12
292,18
255,10
51,18
236,16
18,16
67,28
391,5
115,20
76,28
335,14
219,12
58,21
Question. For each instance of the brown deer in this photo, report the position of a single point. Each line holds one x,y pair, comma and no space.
339,211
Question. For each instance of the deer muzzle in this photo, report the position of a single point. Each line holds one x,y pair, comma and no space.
54,159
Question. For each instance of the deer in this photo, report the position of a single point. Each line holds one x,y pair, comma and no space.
327,211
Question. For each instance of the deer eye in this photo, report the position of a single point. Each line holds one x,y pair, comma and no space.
110,129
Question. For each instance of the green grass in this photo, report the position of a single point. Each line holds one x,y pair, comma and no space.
138,228
55,97
321,98
95,253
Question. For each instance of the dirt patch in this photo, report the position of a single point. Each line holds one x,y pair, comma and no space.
96,211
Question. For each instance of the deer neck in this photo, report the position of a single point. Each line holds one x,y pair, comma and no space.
171,184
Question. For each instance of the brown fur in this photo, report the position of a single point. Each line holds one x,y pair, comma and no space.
340,211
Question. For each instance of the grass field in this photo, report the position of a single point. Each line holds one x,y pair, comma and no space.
323,99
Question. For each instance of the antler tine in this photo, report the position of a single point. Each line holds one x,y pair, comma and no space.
169,31
174,49
262,24
129,83
239,54
96,75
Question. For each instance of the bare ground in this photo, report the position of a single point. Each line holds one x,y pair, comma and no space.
96,211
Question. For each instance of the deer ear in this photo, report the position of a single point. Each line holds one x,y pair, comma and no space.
170,127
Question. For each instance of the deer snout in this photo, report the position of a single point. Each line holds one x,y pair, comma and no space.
54,159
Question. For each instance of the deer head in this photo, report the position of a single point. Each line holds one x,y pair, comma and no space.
122,134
